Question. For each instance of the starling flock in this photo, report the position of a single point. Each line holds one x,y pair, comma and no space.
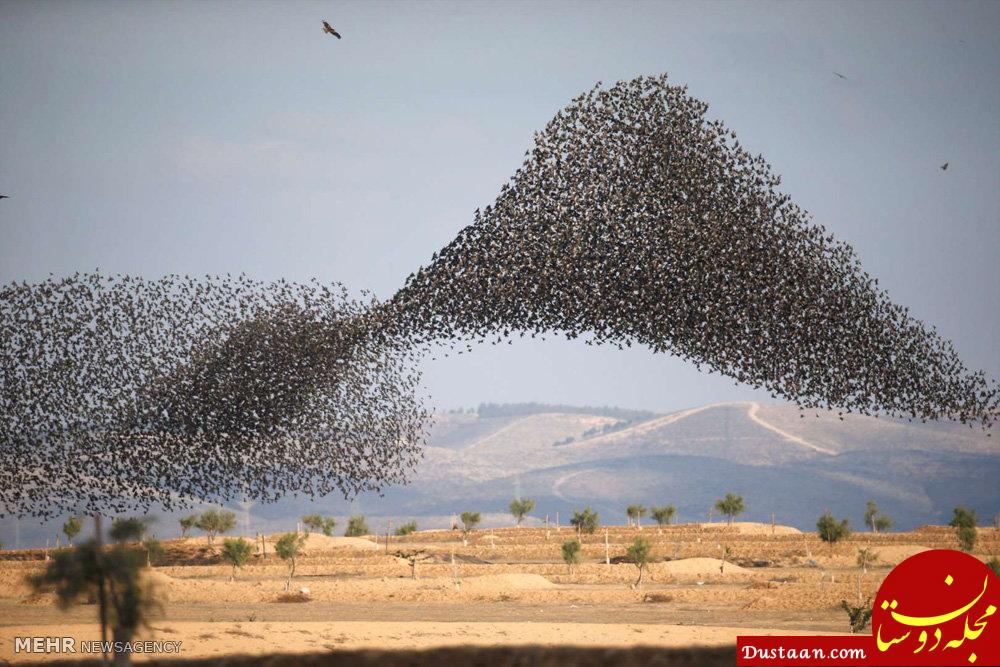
119,393
633,220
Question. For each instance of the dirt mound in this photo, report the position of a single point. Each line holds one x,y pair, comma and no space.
324,543
754,528
702,567
506,582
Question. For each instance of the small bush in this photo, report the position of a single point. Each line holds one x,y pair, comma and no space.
585,521
236,552
858,617
731,506
357,527
830,531
571,553
964,521
407,528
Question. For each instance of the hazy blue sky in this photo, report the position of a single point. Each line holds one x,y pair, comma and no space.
211,137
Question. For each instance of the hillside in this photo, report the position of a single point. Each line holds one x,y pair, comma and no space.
783,461
792,464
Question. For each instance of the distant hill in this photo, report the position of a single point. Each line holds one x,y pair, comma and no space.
786,462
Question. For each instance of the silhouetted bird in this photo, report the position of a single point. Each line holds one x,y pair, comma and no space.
944,167
329,28
4,197
840,75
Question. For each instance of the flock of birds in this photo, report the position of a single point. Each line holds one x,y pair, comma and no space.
119,393
633,220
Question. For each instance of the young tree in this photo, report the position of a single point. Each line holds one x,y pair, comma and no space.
71,528
634,513
129,529
288,547
731,506
830,530
866,558
571,553
413,558
469,521
212,523
585,521
520,508
407,528
112,575
329,523
357,527
187,523
236,552
154,550
638,554
964,521
878,522
312,522
859,617
663,515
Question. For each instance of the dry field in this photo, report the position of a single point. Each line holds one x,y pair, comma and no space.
504,588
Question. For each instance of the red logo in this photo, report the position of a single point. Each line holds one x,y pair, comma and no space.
939,608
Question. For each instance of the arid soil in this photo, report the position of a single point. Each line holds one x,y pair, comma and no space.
503,587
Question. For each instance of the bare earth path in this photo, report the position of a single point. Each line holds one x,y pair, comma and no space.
203,639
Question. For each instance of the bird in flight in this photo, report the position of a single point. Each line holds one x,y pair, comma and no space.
944,167
840,75
329,28
4,197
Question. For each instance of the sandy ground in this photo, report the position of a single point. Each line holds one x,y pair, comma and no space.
706,585
200,640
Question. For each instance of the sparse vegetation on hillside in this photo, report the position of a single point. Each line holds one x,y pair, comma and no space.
964,521
585,521
663,515
994,564
407,528
319,523
236,552
874,519
357,527
731,506
832,531
520,508
490,410
571,553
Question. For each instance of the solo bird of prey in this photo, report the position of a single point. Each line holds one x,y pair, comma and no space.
4,197
329,28
944,167
840,75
